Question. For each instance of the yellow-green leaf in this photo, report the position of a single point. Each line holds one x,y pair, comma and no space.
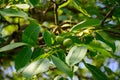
12,46
13,13
86,24
76,54
36,67
62,66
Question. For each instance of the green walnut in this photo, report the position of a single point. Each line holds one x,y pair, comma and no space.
67,42
59,39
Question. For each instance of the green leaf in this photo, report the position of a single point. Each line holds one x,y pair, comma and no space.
75,39
76,4
36,67
97,74
86,24
105,46
34,2
76,54
23,57
60,54
103,36
62,66
22,1
64,4
108,70
9,30
31,33
47,37
13,13
37,52
12,46
95,45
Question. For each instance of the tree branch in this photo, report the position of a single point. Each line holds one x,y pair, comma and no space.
56,13
108,15
58,28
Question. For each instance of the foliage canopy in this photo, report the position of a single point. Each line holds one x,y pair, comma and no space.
60,39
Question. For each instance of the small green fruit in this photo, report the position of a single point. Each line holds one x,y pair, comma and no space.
59,39
67,42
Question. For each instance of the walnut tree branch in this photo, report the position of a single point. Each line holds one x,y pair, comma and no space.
58,28
108,15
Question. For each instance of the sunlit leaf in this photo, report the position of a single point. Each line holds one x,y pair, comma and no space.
76,54
64,4
23,57
117,51
97,74
86,24
31,33
76,4
13,13
104,45
22,6
97,46
12,46
47,37
101,35
62,66
36,67
8,30
34,2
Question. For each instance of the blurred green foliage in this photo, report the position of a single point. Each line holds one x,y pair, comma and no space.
34,36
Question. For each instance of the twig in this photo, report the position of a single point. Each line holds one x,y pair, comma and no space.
56,5
56,13
58,28
108,15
